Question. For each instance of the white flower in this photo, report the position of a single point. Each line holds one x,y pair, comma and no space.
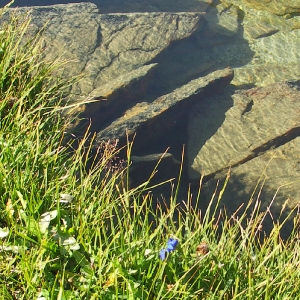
45,220
3,232
147,252
66,198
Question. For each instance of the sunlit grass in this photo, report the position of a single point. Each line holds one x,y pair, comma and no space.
72,232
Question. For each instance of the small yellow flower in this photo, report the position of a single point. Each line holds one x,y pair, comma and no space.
9,209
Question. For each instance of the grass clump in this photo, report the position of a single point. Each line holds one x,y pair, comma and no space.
71,232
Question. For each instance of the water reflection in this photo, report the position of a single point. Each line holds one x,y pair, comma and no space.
121,6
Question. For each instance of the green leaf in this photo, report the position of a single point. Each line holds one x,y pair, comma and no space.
83,262
23,202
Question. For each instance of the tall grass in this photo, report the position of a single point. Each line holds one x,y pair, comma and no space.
72,232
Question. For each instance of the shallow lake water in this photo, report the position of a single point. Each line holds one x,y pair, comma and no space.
261,47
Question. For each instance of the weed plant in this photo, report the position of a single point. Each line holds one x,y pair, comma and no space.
71,232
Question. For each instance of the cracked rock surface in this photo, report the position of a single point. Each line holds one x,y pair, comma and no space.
104,46
258,120
257,137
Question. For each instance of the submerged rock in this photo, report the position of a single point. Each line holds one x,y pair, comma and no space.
257,138
270,31
110,100
147,70
259,119
273,175
277,7
158,167
150,121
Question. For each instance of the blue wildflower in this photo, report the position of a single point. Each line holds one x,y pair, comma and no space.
163,254
171,246
172,243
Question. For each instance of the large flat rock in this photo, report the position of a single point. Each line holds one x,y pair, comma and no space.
258,119
101,47
260,40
